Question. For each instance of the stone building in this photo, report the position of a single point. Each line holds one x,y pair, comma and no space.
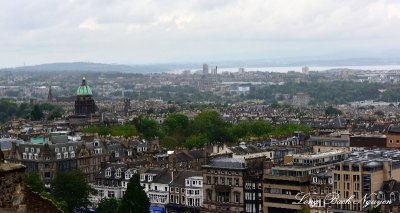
186,192
50,157
223,185
84,103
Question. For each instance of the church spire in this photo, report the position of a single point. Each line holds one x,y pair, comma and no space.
50,95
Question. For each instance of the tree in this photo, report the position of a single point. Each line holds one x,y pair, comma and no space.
135,199
33,180
108,206
175,121
304,210
197,141
149,128
380,113
211,124
332,111
169,142
36,113
72,187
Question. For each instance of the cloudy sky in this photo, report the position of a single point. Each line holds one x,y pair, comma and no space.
143,31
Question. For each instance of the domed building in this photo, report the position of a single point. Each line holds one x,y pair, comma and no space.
84,103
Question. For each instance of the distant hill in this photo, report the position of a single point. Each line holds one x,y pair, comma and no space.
91,67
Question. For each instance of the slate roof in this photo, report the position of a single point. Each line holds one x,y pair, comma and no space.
227,163
179,179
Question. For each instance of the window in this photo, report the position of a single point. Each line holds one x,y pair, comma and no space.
172,189
72,154
101,193
315,180
36,156
57,150
128,175
166,189
23,155
32,150
37,150
47,175
391,141
171,198
182,190
30,156
236,181
237,197
155,188
111,194
46,157
65,154
118,173
117,154
63,149
230,181
108,172
26,149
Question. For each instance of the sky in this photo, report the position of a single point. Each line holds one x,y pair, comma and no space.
178,31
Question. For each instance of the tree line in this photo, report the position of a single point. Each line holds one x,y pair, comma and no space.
9,110
208,127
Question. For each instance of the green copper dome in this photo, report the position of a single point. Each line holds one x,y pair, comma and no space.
84,89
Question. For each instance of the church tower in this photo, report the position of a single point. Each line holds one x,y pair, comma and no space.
84,103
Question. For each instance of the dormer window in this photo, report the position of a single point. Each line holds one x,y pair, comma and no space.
57,150
315,179
72,154
118,173
150,178
142,177
32,150
65,154
23,155
128,175
71,148
96,143
108,172
64,149
30,156
58,155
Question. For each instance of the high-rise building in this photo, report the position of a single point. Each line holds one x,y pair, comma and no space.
205,69
305,70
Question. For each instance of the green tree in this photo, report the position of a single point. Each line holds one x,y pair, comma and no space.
304,210
36,113
149,128
33,180
169,142
126,130
108,206
211,124
380,113
175,121
197,141
332,111
135,199
72,187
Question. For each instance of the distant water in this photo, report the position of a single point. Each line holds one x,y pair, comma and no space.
299,68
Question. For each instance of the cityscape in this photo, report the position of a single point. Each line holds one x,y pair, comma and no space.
166,123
